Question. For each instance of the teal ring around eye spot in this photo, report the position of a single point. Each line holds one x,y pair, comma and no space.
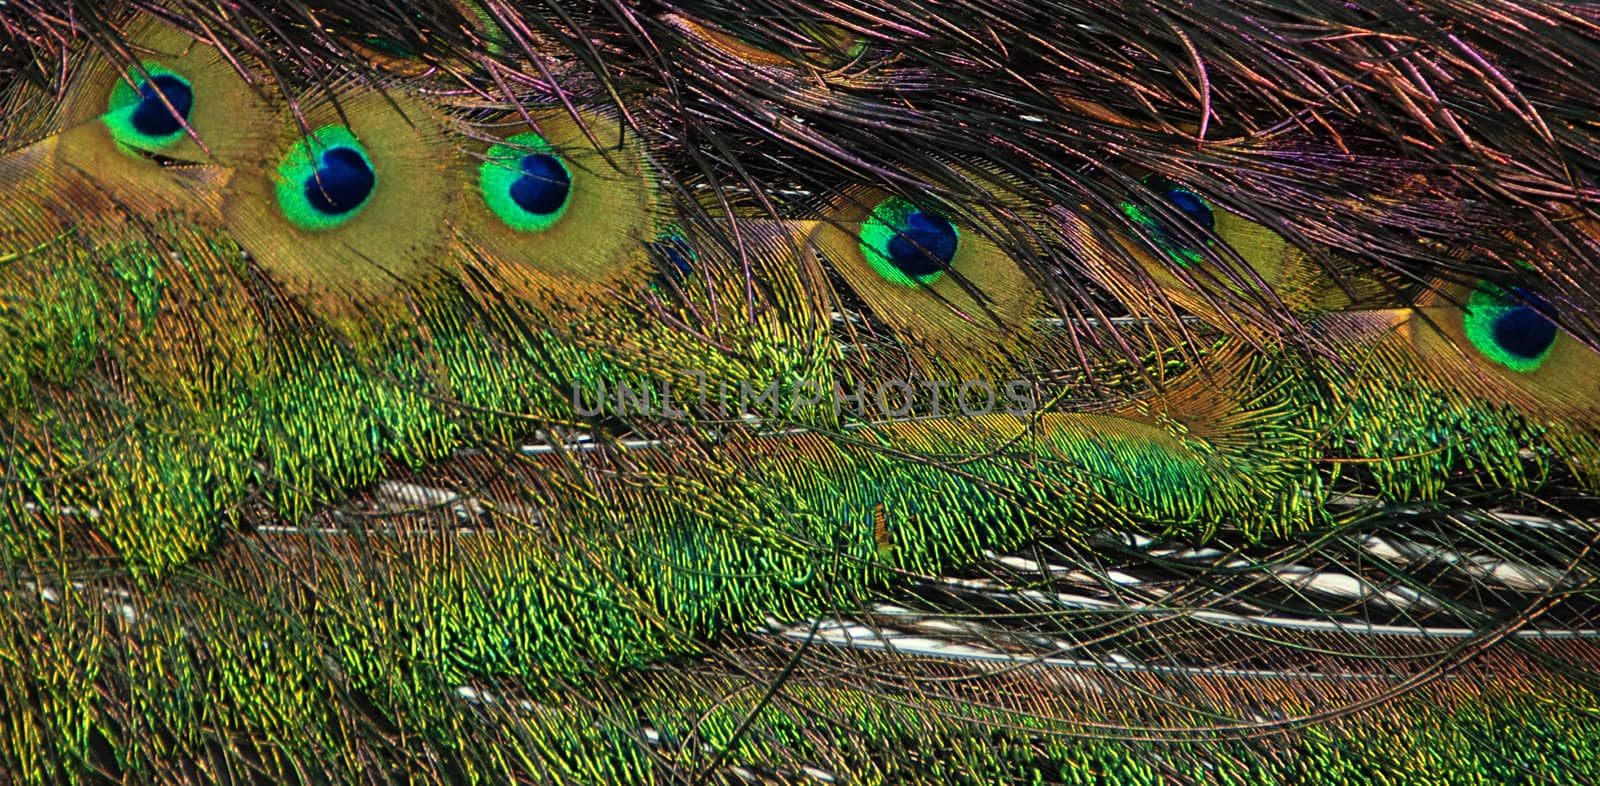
525,183
149,110
1185,201
907,245
1508,328
326,179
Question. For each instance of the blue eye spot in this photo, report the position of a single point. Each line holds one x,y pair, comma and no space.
924,246
525,183
152,116
148,108
677,254
907,245
1192,205
674,257
325,179
341,183
543,186
1522,330
1509,328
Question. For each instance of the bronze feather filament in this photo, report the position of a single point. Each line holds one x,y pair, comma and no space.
1096,392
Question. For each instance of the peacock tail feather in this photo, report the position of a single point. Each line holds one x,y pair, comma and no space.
468,391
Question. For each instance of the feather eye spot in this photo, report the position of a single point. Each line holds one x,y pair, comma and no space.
1186,201
907,245
326,179
1192,206
526,183
1508,327
152,111
153,116
675,261
342,183
676,256
543,186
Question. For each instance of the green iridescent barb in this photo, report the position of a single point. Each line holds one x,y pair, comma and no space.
462,392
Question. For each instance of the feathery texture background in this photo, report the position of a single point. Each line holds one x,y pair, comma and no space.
492,392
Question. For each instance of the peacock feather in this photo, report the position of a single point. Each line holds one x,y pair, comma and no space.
470,391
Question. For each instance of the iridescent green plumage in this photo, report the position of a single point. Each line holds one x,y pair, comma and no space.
463,393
